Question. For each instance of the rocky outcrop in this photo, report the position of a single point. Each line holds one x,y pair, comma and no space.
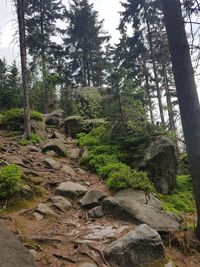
140,246
55,117
12,252
38,127
92,198
160,163
71,190
57,146
136,212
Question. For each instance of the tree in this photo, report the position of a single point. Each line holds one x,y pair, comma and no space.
22,41
186,91
41,18
85,40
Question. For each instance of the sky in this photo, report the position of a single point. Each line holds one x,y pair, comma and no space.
108,10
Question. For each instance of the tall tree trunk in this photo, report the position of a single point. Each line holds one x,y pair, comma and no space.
186,91
23,54
154,65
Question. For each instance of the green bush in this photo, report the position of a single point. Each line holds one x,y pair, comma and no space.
17,115
105,171
182,199
10,180
101,160
129,178
35,138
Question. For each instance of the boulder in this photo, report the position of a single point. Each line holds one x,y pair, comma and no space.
140,246
74,153
12,252
38,127
96,212
71,190
131,210
55,117
45,210
73,125
57,146
92,198
52,163
61,202
140,196
33,148
160,162
68,170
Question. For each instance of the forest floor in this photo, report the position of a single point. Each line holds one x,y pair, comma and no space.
69,238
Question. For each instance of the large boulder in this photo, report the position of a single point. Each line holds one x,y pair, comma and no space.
142,245
38,127
55,117
129,209
71,190
57,146
160,162
12,252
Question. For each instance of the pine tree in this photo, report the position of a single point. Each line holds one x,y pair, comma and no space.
85,40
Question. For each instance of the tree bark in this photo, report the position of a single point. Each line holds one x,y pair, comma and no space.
186,91
23,54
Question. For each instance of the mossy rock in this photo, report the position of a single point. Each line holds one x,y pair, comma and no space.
57,146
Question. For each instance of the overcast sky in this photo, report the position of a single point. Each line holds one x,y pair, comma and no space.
108,10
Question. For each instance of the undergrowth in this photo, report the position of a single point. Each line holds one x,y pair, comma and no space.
182,199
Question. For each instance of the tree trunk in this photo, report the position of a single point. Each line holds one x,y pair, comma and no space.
154,66
186,91
23,54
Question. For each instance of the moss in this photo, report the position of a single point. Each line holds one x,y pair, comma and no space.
182,199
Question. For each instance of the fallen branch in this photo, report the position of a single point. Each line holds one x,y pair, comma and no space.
61,257
91,257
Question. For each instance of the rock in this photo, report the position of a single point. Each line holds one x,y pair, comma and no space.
87,183
38,216
13,253
92,198
96,212
74,153
44,209
52,163
68,170
3,163
33,149
87,264
55,117
51,153
160,163
81,171
140,196
33,252
73,125
58,135
39,128
71,190
136,212
140,246
61,202
57,146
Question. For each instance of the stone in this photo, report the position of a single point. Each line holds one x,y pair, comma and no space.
140,246
81,171
52,163
57,146
33,149
70,189
73,125
68,170
33,252
96,212
39,128
140,196
160,162
38,216
61,202
12,252
54,118
137,213
74,153
45,210
92,198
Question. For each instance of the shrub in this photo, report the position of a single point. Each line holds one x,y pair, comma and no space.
105,171
101,160
127,178
182,199
35,138
10,180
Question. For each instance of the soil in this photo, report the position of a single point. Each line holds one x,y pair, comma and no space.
70,238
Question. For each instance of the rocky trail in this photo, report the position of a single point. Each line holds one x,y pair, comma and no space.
76,218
